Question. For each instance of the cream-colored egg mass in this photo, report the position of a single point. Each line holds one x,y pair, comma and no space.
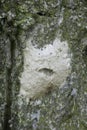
44,67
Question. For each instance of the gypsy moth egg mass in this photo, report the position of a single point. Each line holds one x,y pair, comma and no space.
47,67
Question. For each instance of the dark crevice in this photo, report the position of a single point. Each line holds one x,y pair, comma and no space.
7,113
41,13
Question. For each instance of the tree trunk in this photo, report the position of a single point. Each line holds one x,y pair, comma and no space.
31,28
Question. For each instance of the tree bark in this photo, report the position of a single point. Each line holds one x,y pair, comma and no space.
61,108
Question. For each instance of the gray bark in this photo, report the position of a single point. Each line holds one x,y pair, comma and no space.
60,108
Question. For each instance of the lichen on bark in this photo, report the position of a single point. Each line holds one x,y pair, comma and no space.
63,108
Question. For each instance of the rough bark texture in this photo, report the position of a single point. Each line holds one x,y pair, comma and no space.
62,108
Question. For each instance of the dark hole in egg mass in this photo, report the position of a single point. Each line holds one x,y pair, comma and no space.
47,71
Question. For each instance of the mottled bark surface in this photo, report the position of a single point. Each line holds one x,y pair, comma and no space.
64,108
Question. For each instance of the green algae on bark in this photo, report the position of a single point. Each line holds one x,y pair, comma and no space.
64,108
